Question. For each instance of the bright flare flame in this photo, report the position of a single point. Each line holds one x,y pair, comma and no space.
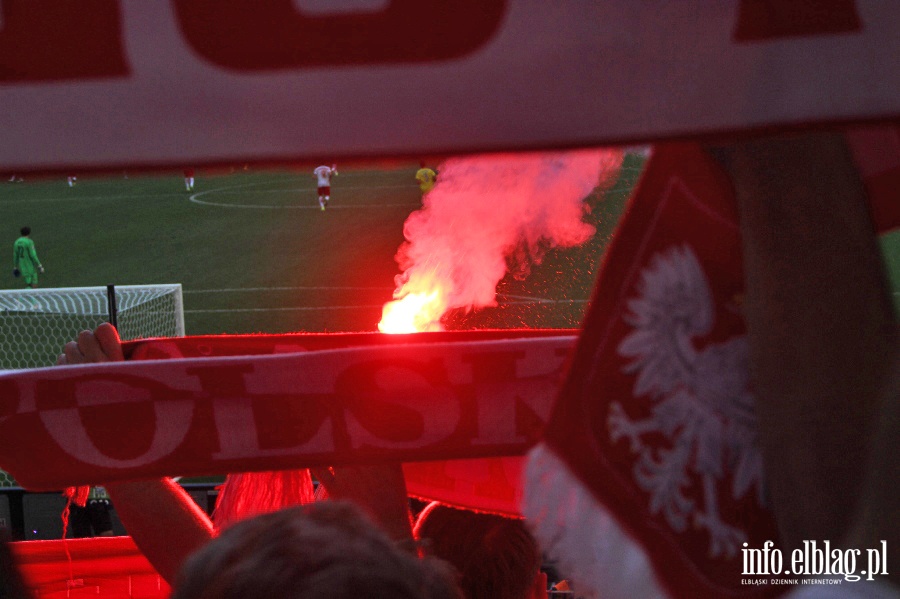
413,313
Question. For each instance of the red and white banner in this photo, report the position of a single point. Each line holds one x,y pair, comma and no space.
654,439
492,484
435,397
657,421
111,84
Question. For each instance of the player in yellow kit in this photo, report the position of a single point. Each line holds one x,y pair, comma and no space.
426,178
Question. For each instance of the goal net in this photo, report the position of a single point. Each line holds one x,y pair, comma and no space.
36,323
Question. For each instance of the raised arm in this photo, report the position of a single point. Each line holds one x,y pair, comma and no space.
164,522
162,519
380,490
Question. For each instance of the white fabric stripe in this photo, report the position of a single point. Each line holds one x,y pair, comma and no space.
581,535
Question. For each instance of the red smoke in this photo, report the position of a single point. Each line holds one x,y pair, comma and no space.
483,210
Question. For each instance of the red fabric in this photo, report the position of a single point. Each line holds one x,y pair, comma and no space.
876,150
768,19
107,567
484,484
656,418
78,495
683,206
422,397
273,35
211,346
45,40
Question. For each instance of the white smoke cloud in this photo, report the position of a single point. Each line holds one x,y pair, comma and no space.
488,211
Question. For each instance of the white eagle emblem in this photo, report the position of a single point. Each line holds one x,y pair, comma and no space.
700,401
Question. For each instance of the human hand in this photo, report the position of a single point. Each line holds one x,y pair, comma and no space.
100,345
16,272
41,268
380,490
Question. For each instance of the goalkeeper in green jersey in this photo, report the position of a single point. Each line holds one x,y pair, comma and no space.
25,259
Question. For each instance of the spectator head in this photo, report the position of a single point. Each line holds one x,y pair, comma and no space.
496,557
326,549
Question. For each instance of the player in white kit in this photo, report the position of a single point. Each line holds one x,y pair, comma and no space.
323,176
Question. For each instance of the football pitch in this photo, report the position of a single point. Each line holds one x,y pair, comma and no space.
254,253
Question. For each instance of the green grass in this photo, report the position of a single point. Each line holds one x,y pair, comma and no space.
890,248
144,230
257,255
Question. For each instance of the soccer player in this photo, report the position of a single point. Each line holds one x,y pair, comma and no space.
189,179
323,177
25,259
426,178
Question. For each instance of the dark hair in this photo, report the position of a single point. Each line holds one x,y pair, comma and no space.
25,231
497,558
327,549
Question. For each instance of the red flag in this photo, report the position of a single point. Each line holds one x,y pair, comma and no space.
656,422
650,470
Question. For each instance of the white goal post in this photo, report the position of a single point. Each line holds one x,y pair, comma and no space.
36,323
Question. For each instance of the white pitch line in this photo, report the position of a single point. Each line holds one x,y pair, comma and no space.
311,188
517,299
528,298
311,207
195,198
238,289
290,309
542,300
324,308
132,196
